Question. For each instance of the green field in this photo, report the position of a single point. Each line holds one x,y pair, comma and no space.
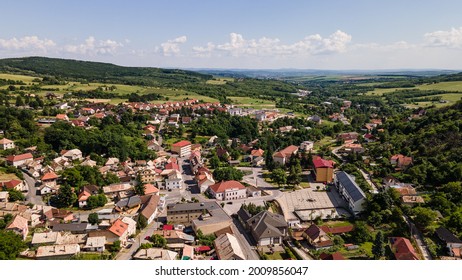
252,102
26,79
219,81
448,86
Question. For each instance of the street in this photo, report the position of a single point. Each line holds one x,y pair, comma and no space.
32,196
417,235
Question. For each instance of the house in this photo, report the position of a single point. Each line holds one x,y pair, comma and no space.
188,253
57,252
307,146
112,162
323,169
350,192
120,230
156,254
257,153
452,243
4,196
316,119
176,239
253,191
228,190
337,256
153,145
209,216
186,120
205,183
401,161
74,154
95,244
14,184
50,178
174,181
317,238
258,161
268,228
351,148
18,160
412,200
118,189
227,247
62,106
150,189
19,226
182,148
283,156
6,144
402,248
62,117
128,203
348,137
150,207
45,238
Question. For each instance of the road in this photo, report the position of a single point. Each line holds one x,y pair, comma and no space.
417,235
368,180
126,254
256,178
32,196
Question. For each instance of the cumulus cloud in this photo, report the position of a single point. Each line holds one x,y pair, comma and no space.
27,43
450,38
93,47
172,47
310,45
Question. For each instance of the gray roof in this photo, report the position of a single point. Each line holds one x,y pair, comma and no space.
350,186
77,227
267,224
447,236
243,214
129,202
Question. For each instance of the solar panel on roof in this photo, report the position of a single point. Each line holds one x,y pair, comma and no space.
350,186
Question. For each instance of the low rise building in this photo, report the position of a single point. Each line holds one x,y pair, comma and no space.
57,252
283,156
6,144
323,170
227,248
182,148
155,254
350,192
228,190
268,228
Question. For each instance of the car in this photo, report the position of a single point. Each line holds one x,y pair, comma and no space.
229,202
131,240
129,246
147,237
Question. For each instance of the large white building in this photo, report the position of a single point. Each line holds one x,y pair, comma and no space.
228,190
182,148
350,192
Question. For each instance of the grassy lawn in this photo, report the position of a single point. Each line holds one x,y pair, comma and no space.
324,141
252,102
219,81
363,252
7,177
337,223
26,79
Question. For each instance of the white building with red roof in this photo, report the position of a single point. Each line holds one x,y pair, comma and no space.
228,190
182,148
49,178
19,226
283,156
18,160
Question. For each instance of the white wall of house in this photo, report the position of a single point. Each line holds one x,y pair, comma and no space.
171,184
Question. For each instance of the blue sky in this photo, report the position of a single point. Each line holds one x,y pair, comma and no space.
329,34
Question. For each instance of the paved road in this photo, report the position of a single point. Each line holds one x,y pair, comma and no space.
32,196
127,253
417,235
256,178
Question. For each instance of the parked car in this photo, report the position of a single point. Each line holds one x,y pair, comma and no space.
147,237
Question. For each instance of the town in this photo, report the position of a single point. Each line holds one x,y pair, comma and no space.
198,180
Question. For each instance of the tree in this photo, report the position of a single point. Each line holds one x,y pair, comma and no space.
227,173
115,246
158,241
73,178
378,249
294,177
361,233
141,223
96,201
15,195
279,176
19,101
11,244
93,218
423,217
214,162
65,197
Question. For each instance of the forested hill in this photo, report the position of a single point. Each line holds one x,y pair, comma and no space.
86,71
435,142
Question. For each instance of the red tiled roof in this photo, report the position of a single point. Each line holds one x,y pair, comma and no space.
319,162
167,227
225,185
337,230
19,157
172,165
150,189
10,184
403,249
49,176
287,152
331,257
257,153
181,143
118,227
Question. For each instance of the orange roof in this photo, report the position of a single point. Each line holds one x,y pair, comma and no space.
226,185
83,196
150,188
18,222
19,157
61,116
183,143
287,152
10,184
403,249
5,141
118,227
257,153
49,176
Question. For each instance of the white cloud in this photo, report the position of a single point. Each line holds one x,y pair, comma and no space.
172,47
93,47
27,43
451,38
310,45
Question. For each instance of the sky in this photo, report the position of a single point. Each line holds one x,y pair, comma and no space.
243,34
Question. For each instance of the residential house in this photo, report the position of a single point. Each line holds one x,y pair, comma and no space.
204,180
4,196
283,156
257,153
350,192
150,175
150,207
402,248
307,146
6,144
95,244
268,228
62,106
14,184
74,154
118,189
182,148
153,145
452,243
19,226
209,217
351,148
150,189
174,181
62,117
400,161
227,247
45,238
317,238
128,203
337,256
348,137
323,169
50,179
155,254
176,239
120,230
253,191
18,160
412,200
316,119
228,190
57,252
